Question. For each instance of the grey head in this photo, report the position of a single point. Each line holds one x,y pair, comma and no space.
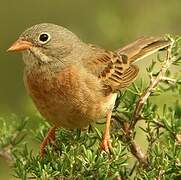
46,43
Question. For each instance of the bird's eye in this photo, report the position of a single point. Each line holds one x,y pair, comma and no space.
44,37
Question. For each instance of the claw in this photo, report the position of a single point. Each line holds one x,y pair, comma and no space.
105,145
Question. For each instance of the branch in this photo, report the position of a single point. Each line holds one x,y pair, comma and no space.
134,147
169,80
138,153
129,129
153,84
5,151
6,155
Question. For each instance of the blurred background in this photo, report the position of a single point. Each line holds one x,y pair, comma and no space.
110,24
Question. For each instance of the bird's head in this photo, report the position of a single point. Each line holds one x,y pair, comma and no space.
45,43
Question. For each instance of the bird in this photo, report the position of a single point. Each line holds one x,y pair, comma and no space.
73,83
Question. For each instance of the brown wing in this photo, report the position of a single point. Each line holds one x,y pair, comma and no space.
98,59
114,69
118,74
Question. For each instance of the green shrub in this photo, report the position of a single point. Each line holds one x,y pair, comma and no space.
77,154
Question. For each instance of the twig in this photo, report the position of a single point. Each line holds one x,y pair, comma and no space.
5,155
169,80
160,175
159,125
178,138
134,147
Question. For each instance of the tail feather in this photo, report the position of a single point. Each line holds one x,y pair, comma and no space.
143,47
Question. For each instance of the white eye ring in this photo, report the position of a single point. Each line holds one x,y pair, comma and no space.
44,37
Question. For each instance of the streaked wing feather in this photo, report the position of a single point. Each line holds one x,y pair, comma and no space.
115,69
116,79
129,76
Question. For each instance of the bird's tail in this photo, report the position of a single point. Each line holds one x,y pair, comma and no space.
143,47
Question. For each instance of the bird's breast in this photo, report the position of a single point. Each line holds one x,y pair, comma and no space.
68,99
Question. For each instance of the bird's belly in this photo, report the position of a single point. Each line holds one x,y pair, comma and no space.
64,113
68,101
65,105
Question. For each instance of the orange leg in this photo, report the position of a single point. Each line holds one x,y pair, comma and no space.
106,138
50,137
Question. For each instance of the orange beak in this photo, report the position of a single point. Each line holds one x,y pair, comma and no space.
20,45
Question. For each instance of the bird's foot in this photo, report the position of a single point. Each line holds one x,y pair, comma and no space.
50,138
106,144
